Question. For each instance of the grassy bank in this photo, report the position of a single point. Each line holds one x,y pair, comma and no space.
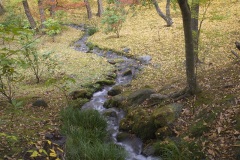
87,137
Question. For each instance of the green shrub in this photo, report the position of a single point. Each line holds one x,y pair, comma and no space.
113,18
92,30
52,28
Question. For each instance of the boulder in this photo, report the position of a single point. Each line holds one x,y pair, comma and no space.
126,50
115,91
115,101
163,132
156,99
127,72
105,82
166,115
110,113
144,59
139,96
79,94
140,122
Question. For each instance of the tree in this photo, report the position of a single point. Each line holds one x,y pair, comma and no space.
28,14
196,27
88,7
189,48
53,4
195,16
2,10
41,12
166,17
100,8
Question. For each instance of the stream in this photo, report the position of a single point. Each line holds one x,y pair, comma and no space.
132,145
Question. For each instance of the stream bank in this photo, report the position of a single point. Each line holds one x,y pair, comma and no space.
126,70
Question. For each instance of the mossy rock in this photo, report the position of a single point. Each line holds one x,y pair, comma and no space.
83,93
166,115
92,88
114,61
111,76
198,128
110,113
105,82
115,101
163,132
139,122
115,91
123,136
78,103
139,96
127,72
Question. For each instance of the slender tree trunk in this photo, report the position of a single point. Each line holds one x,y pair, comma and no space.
2,10
189,49
53,7
88,7
100,8
168,9
28,14
195,30
166,17
41,12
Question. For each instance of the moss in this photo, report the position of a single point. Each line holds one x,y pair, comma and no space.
203,98
78,103
198,128
105,82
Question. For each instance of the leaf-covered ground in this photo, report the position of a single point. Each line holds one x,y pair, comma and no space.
30,124
144,32
217,106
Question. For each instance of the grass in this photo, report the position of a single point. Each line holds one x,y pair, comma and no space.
86,133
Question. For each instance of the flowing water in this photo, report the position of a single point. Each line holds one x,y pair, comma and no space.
133,145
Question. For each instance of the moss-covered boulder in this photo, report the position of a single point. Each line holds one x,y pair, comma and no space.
163,132
116,101
127,72
115,91
83,93
105,82
139,96
163,116
140,122
117,60
156,99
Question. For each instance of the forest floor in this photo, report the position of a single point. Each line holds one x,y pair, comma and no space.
216,107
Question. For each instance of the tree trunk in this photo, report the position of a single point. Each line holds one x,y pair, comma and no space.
53,4
2,10
189,49
166,17
100,8
88,7
28,14
41,12
195,30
